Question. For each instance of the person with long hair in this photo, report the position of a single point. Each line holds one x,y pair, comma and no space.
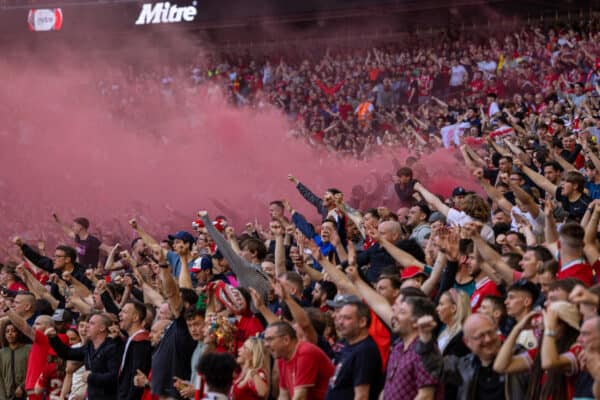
253,381
453,309
553,367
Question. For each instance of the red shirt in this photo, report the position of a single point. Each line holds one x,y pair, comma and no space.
579,269
571,375
246,327
309,367
248,390
38,358
485,287
17,287
382,338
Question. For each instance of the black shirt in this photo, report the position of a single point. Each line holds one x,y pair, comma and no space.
359,364
172,357
88,251
577,208
490,385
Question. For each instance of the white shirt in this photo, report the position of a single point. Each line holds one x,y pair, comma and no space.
457,75
461,218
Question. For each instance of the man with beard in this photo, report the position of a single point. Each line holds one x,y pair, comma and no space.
406,376
417,221
323,291
484,286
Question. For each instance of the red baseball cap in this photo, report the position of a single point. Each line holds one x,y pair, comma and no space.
411,271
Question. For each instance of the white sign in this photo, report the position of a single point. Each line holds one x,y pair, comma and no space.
45,19
166,13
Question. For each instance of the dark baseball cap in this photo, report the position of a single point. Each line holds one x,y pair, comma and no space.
459,191
341,300
183,235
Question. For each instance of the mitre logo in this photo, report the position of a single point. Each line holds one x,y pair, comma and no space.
166,13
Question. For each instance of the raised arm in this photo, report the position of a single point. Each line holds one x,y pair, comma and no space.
493,259
550,231
378,303
402,257
21,324
299,315
307,194
567,166
35,286
169,286
149,240
506,362
536,178
260,306
432,199
493,192
65,228
551,359
36,258
62,350
531,206
279,251
591,228
234,259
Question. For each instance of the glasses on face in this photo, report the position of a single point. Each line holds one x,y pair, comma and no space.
59,256
269,339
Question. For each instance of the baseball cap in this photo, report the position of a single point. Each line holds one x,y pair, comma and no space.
183,235
341,300
459,191
411,271
525,286
201,264
567,312
436,216
62,315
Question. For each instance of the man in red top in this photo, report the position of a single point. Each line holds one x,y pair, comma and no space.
38,356
8,279
484,286
571,260
304,369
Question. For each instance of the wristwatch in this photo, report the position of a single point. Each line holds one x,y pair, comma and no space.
549,332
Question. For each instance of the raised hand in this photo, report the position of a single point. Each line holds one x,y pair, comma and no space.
257,299
293,179
425,325
230,232
203,213
133,223
159,254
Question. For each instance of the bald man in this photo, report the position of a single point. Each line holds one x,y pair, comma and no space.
472,374
24,306
376,256
589,338
39,349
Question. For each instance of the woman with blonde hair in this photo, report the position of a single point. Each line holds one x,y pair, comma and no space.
453,309
253,381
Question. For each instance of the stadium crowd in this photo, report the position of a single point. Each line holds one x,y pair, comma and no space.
358,102
467,297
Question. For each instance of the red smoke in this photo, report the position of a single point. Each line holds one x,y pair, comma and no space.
61,152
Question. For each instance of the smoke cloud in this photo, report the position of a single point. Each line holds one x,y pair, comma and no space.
64,148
